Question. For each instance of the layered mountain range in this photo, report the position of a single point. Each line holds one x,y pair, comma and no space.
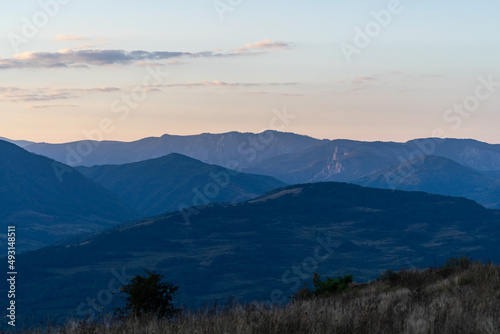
175,181
293,158
301,158
49,202
437,175
262,249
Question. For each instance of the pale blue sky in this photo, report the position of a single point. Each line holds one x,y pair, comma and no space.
399,87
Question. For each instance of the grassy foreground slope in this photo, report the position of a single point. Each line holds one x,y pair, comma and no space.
428,301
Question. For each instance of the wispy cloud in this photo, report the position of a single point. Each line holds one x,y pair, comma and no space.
90,42
364,82
51,106
359,81
273,93
264,45
223,84
17,94
65,38
83,57
175,62
149,64
82,47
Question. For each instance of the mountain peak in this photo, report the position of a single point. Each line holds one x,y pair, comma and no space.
434,174
167,183
40,195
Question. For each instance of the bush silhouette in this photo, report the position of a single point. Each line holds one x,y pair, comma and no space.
330,285
149,295
455,264
390,276
323,288
303,294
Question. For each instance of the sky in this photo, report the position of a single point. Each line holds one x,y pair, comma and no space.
365,70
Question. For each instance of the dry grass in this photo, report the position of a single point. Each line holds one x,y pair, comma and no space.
418,302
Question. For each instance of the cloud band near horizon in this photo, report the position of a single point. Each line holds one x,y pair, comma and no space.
70,58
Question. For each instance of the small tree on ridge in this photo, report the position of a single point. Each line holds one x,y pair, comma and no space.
149,295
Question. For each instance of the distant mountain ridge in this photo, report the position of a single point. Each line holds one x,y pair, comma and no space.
286,156
48,201
437,175
226,149
294,158
168,183
20,143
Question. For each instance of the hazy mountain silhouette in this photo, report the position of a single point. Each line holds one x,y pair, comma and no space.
48,201
347,160
294,158
437,175
263,248
20,143
226,149
160,185
337,160
289,157
468,152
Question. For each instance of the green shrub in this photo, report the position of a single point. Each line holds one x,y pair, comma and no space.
454,265
148,295
390,276
331,285
303,294
323,288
